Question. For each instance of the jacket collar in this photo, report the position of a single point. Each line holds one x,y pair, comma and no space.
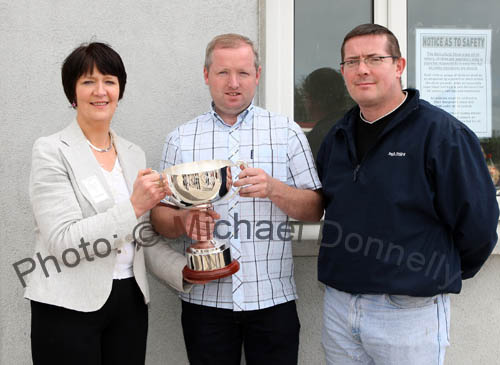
73,136
84,164
400,114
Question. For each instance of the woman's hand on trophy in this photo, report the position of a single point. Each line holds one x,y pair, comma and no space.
200,224
150,188
255,183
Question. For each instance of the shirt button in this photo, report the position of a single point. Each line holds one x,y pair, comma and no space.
119,251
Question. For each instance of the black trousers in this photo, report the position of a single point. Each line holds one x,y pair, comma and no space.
114,334
215,336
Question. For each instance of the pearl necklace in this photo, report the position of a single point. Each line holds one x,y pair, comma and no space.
102,149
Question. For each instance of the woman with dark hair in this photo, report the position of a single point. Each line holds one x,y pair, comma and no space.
89,190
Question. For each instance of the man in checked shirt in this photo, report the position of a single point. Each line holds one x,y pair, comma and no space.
256,306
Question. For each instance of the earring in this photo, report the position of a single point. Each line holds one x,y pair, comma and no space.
73,104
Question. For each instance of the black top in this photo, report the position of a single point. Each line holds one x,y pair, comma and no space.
366,134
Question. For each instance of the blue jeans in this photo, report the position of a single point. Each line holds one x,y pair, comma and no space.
385,329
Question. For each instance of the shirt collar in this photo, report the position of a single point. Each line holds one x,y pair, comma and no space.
246,114
386,114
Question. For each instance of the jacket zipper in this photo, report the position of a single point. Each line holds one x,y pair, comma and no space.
358,165
352,157
355,174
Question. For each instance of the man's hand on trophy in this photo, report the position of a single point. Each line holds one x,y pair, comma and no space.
255,183
200,224
150,188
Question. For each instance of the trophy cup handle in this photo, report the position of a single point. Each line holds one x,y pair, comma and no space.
235,191
240,162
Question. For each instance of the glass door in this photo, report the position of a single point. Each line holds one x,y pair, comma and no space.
320,97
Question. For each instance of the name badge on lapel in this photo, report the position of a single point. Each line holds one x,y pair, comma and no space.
95,189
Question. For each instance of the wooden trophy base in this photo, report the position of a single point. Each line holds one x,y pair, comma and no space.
203,277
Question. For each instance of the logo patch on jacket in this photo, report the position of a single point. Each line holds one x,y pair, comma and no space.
397,154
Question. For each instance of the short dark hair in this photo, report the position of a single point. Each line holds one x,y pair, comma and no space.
83,60
373,29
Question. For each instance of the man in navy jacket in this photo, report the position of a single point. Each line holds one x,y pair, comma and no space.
410,213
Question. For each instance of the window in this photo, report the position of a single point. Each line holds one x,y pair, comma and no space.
302,53
468,18
320,97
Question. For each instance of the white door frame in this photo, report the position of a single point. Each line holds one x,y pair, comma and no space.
393,15
278,47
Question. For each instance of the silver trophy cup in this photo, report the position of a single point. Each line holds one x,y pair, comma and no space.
197,185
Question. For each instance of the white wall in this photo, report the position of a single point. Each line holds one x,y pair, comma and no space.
162,44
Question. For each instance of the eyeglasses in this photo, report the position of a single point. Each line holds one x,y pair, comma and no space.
370,61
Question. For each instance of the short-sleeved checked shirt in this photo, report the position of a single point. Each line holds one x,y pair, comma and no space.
277,145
